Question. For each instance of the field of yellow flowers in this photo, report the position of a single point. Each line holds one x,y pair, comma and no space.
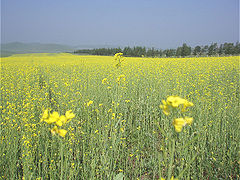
65,116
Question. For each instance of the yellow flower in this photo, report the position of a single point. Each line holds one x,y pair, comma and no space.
62,120
69,114
60,132
54,130
121,78
89,103
52,118
104,81
120,170
45,114
178,123
186,105
165,109
188,120
175,101
117,55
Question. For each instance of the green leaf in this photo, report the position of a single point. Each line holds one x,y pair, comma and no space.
119,177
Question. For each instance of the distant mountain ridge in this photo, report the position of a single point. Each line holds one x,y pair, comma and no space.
8,49
19,48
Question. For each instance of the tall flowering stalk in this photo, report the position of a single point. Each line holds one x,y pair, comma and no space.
175,105
58,121
119,58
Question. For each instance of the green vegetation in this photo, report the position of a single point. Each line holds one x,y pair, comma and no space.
183,51
107,119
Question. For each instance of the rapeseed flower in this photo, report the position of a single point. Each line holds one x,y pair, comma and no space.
165,108
89,103
119,58
117,55
60,132
52,118
121,78
55,118
175,102
179,123
45,115
186,105
104,81
69,115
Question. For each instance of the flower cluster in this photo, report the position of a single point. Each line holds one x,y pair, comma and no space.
105,81
55,118
89,103
119,58
121,78
174,102
178,123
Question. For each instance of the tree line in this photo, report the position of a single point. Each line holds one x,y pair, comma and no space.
208,50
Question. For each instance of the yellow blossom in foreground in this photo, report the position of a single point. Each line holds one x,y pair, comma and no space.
58,120
89,103
188,120
45,114
178,123
60,132
175,102
61,120
69,114
165,108
186,105
52,118
104,81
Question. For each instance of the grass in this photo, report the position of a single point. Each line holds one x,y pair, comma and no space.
124,132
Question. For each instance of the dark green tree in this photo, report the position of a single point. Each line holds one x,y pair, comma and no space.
228,48
212,50
237,48
186,50
179,51
197,51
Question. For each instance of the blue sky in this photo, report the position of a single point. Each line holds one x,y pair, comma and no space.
151,23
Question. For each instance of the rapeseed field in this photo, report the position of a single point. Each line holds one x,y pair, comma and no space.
65,116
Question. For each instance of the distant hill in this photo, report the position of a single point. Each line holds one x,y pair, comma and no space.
9,49
20,48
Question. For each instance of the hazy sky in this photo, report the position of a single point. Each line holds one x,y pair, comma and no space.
151,23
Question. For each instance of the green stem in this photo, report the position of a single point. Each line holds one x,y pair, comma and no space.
188,165
159,165
61,154
172,159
